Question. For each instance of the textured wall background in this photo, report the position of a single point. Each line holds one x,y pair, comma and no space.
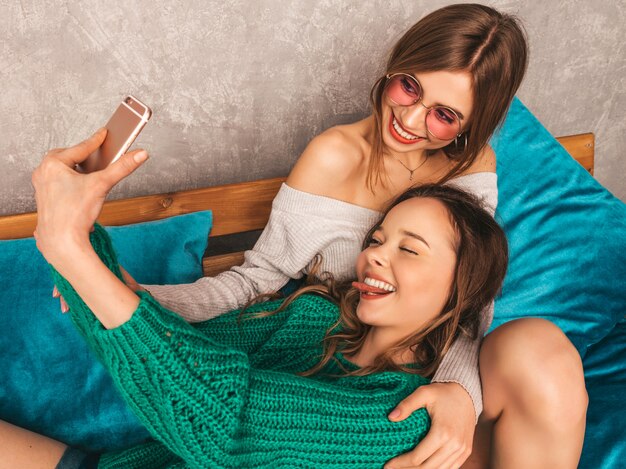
238,88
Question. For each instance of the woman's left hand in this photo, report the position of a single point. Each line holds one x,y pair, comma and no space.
453,419
69,202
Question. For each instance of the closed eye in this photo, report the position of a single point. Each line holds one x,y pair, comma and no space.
374,241
410,251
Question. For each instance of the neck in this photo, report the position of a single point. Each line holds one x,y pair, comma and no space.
410,160
377,342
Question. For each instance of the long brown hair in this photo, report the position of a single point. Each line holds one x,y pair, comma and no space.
489,45
482,257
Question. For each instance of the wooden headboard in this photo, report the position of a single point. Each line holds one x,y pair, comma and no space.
240,211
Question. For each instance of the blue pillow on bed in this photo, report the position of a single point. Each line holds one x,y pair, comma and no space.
566,233
605,377
49,380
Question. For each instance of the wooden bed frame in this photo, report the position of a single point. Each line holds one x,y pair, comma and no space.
240,211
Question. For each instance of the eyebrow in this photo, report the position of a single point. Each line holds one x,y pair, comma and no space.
458,113
410,234
415,236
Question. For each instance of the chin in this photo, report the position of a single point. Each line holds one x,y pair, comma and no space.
362,315
369,318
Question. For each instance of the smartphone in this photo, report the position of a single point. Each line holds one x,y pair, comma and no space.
122,129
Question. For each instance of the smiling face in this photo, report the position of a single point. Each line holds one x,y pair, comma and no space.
406,272
404,127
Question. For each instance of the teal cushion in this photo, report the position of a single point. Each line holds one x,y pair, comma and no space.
49,380
605,376
566,233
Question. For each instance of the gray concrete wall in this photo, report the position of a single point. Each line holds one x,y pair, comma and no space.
238,88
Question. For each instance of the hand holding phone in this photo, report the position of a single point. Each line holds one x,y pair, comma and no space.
122,129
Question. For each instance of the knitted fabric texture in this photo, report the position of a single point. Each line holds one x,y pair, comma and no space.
225,393
301,226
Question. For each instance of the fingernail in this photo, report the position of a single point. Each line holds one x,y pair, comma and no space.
55,292
140,157
64,309
395,413
100,130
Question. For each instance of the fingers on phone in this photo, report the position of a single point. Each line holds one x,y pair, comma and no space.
78,153
123,167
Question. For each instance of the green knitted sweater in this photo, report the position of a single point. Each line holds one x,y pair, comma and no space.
225,393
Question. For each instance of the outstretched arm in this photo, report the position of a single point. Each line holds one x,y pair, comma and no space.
68,204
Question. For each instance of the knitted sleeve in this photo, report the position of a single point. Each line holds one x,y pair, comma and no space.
208,405
300,226
261,272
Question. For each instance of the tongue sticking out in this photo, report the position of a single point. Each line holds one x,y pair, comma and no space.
365,288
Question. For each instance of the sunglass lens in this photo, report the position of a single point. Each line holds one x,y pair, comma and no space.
403,90
443,123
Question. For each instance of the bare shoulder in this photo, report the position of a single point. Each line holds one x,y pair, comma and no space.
329,161
485,161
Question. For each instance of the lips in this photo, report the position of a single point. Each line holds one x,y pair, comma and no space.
364,287
372,288
369,292
395,128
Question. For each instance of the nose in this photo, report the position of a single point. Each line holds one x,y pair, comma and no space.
414,116
377,256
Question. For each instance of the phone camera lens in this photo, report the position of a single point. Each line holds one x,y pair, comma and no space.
128,100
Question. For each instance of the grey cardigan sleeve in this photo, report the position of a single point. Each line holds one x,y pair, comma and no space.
301,226
277,256
460,364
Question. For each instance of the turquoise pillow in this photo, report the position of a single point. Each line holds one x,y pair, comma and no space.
567,235
49,380
605,377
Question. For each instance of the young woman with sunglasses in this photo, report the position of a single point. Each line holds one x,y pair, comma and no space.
446,87
304,382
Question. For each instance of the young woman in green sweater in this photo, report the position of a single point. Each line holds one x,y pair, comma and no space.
307,382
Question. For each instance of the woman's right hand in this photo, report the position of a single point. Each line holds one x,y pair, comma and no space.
69,202
128,280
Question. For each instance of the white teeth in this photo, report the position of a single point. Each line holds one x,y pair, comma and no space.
401,131
379,284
